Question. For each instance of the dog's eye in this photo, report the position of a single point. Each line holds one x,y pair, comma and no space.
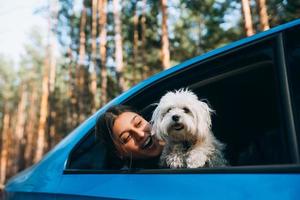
166,111
186,110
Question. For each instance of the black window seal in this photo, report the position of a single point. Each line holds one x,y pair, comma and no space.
286,98
262,169
230,73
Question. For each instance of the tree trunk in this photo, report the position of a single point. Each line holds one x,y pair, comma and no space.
52,110
102,7
263,15
52,78
11,165
5,143
165,53
94,31
119,45
71,93
143,49
80,79
247,17
72,111
48,76
93,88
51,123
20,127
135,46
30,128
41,142
82,39
52,46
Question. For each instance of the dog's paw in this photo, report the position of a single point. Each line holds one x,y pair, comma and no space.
175,161
196,159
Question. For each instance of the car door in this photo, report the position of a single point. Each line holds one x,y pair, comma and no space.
253,86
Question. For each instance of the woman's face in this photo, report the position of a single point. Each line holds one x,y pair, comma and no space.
132,137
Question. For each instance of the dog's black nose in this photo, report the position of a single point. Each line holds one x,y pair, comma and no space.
175,118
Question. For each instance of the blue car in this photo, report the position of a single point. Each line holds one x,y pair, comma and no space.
254,87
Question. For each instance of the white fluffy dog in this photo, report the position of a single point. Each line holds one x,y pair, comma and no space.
184,123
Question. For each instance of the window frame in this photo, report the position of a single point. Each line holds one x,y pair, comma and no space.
287,112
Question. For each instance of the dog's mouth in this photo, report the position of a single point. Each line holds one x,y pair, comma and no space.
177,126
148,143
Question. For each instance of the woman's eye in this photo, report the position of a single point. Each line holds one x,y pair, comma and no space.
186,110
139,123
125,138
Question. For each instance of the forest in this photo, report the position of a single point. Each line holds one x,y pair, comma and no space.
104,48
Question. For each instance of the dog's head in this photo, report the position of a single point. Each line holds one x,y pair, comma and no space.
180,115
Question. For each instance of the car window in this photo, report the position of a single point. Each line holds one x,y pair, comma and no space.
243,87
292,43
88,154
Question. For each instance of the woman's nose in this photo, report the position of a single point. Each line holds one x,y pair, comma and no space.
139,133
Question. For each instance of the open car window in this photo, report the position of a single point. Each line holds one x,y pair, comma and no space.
246,89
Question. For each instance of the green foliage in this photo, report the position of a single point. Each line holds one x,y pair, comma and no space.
282,11
7,79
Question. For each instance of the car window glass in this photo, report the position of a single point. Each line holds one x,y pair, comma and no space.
88,154
292,44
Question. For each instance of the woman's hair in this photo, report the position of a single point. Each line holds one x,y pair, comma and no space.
104,134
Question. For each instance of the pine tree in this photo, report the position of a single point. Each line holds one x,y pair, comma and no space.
247,18
145,68
79,114
103,37
41,137
165,53
263,15
20,127
119,46
48,76
135,46
5,143
94,55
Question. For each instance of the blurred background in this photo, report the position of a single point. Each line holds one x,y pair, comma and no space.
61,60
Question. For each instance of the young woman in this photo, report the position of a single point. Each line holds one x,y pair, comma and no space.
128,139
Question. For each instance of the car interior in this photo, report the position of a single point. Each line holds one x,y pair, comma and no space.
241,86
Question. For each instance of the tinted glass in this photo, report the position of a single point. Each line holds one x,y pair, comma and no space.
292,45
88,154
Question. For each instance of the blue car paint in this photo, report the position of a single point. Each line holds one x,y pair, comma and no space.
183,186
46,179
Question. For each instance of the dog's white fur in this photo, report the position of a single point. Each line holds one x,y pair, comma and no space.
190,142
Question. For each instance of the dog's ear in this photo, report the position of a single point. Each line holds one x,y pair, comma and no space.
203,116
155,121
